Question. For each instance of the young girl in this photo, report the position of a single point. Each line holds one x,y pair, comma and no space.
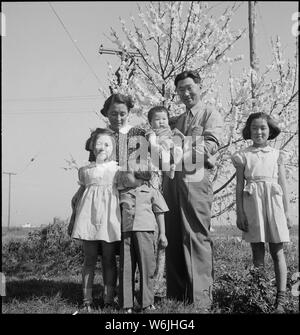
97,216
262,204
142,207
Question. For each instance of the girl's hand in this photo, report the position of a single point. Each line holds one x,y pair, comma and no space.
288,221
71,224
242,222
162,241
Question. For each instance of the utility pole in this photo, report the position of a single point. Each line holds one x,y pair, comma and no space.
252,40
9,191
124,55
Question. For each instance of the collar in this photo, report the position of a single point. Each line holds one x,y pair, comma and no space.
124,130
197,108
111,163
143,188
267,148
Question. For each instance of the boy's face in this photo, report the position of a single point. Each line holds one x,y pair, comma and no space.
160,120
103,148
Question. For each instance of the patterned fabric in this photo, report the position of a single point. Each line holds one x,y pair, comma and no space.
123,148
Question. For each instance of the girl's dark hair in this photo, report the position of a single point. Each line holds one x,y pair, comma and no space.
119,99
157,109
91,142
188,74
274,129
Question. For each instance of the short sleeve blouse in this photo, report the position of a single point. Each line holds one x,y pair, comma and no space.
238,159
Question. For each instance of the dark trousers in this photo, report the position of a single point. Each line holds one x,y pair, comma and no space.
189,259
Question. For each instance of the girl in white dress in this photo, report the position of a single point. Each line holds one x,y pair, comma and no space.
262,204
97,216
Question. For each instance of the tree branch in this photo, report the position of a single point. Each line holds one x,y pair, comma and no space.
227,183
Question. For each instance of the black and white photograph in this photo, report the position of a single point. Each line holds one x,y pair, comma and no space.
150,160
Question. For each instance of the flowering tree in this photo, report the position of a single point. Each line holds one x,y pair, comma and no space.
276,93
174,36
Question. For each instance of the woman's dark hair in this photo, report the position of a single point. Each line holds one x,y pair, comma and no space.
119,99
274,129
157,109
91,142
188,74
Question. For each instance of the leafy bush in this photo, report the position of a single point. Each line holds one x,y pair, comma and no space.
45,251
244,292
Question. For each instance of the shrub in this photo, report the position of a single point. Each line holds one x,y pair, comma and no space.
45,251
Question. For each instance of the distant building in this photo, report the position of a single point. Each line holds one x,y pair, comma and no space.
27,225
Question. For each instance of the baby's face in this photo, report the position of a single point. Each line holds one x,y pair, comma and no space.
160,120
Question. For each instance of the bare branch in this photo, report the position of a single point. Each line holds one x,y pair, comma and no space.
185,32
224,185
226,209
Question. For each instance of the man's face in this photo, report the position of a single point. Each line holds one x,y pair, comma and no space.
189,92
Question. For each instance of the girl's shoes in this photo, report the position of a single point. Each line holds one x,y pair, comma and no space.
87,308
149,308
127,310
280,302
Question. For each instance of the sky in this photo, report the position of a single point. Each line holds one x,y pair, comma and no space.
50,93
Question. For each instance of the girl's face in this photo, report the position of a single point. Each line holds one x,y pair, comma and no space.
160,120
103,148
260,131
117,115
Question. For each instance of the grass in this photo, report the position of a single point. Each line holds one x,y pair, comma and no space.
43,275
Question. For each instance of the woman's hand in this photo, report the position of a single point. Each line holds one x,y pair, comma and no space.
242,222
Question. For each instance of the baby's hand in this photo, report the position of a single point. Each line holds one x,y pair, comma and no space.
177,132
163,132
162,241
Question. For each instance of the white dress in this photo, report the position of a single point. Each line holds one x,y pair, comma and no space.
262,196
98,214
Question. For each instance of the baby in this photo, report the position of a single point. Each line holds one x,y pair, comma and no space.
164,142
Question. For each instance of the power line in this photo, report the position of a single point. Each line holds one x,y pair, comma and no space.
47,112
61,98
74,43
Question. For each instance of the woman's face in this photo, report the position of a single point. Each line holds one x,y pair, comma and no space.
117,115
